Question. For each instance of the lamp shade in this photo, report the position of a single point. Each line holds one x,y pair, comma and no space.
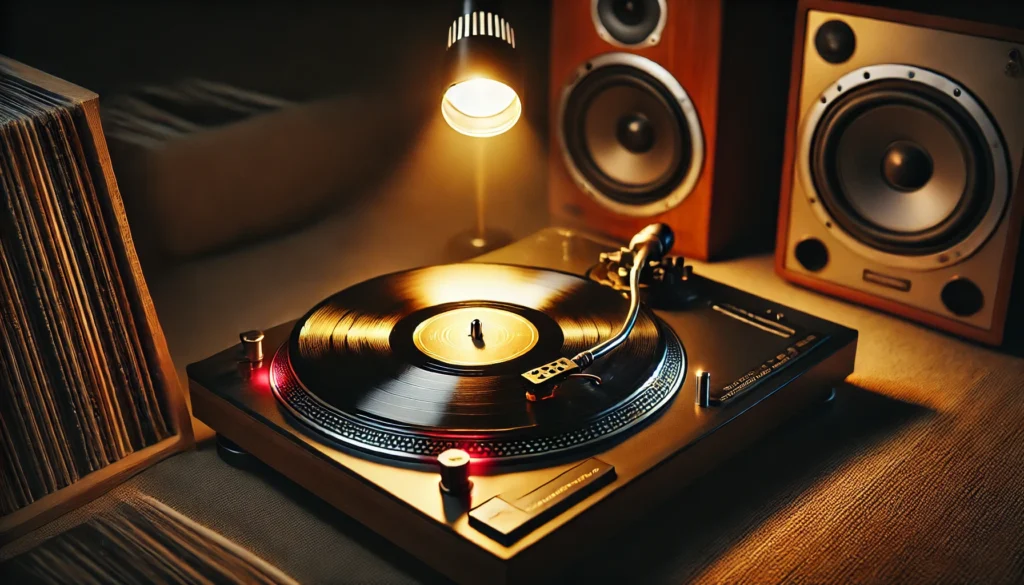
483,71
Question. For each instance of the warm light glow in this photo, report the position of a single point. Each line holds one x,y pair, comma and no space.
455,283
481,107
480,98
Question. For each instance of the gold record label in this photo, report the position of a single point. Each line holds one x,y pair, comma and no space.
504,336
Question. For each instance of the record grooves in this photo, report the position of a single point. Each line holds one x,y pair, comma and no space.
388,365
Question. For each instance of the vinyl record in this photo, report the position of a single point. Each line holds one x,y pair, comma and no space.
390,364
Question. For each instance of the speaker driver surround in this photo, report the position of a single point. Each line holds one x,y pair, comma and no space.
629,135
629,23
909,169
900,169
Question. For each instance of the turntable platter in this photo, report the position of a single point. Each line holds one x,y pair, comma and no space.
413,363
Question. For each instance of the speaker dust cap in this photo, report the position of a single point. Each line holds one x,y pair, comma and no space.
630,135
904,166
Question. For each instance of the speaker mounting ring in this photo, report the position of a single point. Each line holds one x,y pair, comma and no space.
651,40
690,118
990,136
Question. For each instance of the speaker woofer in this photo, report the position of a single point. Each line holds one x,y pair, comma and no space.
901,168
630,136
902,162
629,23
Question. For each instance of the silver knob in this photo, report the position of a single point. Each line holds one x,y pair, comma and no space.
703,389
454,468
252,345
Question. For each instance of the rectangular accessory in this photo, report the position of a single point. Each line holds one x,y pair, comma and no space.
506,518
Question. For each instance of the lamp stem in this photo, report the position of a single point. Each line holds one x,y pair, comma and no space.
481,229
477,239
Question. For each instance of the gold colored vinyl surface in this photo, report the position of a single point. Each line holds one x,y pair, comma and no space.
446,336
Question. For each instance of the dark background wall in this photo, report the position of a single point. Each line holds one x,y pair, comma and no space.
368,70
382,57
299,49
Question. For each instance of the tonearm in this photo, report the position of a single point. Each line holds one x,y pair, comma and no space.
649,245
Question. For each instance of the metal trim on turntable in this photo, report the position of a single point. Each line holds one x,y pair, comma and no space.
408,444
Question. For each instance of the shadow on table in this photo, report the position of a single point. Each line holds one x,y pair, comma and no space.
382,549
699,525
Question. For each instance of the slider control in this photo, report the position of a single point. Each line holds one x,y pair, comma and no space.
703,389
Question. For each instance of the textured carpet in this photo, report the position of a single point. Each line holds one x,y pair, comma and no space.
915,474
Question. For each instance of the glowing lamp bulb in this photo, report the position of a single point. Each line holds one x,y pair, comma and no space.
481,107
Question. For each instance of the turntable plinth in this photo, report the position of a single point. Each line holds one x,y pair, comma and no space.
760,378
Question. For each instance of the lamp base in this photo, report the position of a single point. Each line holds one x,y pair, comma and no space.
470,243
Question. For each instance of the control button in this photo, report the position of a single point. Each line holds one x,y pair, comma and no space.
454,468
252,345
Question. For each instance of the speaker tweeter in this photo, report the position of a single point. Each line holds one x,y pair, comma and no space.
629,23
835,41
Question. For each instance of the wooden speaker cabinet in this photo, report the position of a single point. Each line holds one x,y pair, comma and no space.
901,187
672,111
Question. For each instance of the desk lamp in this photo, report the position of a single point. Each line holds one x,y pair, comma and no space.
483,85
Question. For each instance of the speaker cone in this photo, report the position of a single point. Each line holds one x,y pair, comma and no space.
628,23
902,168
630,135
901,161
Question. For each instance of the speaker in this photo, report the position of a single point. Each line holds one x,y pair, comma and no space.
901,183
671,111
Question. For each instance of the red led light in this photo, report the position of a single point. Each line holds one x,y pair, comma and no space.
258,377
261,379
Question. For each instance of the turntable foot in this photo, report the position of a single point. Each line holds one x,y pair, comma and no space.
234,455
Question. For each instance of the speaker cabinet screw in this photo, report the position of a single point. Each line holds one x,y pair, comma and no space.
1013,63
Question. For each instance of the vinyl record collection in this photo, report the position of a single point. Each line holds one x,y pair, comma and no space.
141,541
80,387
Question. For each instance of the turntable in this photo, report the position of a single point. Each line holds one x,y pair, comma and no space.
499,420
